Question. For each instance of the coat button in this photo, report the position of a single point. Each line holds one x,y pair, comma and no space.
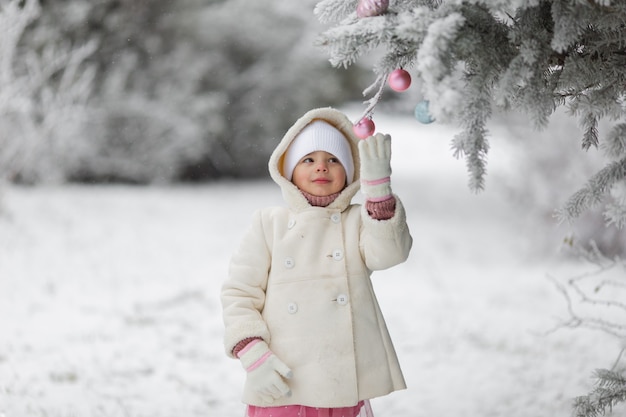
291,223
292,308
337,254
335,217
289,262
342,299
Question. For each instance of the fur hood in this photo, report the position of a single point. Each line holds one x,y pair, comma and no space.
291,193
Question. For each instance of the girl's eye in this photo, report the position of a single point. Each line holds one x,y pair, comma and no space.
308,159
333,160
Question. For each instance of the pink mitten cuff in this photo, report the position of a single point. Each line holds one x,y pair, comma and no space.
243,343
257,355
377,190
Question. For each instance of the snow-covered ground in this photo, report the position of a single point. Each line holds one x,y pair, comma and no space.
109,297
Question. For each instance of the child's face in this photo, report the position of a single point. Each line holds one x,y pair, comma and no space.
319,173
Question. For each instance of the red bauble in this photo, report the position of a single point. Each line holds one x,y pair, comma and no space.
364,128
399,80
368,8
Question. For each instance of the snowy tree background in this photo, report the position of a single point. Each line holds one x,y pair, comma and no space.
43,101
167,93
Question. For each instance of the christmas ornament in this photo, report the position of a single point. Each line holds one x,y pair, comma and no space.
399,80
422,114
368,8
364,128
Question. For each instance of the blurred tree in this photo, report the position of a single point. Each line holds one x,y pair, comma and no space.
269,72
191,89
43,92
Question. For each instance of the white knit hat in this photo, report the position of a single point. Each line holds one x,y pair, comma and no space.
319,136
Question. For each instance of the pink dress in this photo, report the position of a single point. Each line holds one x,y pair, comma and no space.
362,409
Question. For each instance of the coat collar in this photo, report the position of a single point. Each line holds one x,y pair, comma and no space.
291,193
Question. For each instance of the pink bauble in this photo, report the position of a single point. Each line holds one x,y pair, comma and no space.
364,128
368,8
399,80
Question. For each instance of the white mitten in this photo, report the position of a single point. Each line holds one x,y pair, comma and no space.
265,371
375,154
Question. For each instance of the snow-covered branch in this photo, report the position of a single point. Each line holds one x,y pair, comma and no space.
518,55
596,297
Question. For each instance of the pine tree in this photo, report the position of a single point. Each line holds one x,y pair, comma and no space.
610,390
471,58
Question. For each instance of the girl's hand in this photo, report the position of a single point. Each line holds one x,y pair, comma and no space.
266,373
375,154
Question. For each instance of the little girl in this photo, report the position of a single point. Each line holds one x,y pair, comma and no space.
299,308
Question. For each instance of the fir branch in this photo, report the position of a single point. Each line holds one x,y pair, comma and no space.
593,192
473,144
520,72
538,101
404,5
570,21
380,84
437,66
412,25
396,59
590,135
476,160
355,37
610,379
590,106
332,11
610,390
615,144
615,215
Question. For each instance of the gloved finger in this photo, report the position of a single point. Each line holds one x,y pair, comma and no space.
387,146
375,147
364,147
282,388
383,145
275,391
270,391
281,368
276,386
266,397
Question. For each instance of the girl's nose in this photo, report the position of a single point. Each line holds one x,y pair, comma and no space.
321,167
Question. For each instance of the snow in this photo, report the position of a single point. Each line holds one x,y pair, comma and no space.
109,296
